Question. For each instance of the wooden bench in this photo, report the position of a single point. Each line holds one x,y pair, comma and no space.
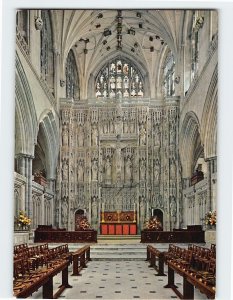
197,267
80,259
28,283
152,254
30,274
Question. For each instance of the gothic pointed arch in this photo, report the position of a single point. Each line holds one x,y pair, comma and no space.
25,117
191,147
46,149
209,117
72,78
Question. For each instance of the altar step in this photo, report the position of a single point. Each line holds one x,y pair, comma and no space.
119,239
119,252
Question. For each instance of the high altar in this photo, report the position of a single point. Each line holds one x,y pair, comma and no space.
118,223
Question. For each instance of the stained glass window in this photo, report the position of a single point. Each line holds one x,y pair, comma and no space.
46,55
119,79
72,83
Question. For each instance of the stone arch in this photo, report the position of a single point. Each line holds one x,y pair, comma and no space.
209,118
46,150
25,116
191,146
158,212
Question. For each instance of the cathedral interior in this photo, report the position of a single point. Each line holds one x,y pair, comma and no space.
116,130
116,110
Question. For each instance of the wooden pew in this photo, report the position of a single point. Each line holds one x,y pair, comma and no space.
152,254
43,278
80,259
29,277
196,267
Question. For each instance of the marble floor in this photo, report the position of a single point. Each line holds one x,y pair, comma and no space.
117,279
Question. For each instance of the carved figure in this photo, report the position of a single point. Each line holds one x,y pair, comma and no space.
94,170
65,171
80,171
65,136
156,171
142,169
128,169
80,137
38,23
142,136
173,206
108,169
94,136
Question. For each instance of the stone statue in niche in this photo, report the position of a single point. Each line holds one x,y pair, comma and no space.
142,136
65,136
157,136
128,169
64,214
94,169
142,169
94,209
80,137
172,135
173,207
65,171
80,171
173,168
142,210
108,169
94,136
156,171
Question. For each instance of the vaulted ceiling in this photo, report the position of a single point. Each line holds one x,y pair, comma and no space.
145,37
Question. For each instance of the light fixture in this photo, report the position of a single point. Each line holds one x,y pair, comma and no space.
131,31
104,42
138,14
140,25
100,15
152,49
151,38
136,45
108,48
157,37
98,25
132,49
107,32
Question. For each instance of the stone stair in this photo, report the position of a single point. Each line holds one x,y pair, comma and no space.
114,252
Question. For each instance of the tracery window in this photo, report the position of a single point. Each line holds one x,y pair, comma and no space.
119,79
169,75
72,82
46,55
198,21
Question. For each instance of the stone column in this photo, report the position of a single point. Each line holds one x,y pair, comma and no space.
209,184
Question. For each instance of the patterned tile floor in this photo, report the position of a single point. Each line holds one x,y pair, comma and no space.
117,280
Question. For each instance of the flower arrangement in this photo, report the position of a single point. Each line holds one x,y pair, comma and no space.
153,224
210,218
22,220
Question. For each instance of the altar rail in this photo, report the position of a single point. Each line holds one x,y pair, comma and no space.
63,236
184,236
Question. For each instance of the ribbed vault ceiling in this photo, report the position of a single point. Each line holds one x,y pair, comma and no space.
152,33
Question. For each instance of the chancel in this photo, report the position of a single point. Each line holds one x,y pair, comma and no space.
115,144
